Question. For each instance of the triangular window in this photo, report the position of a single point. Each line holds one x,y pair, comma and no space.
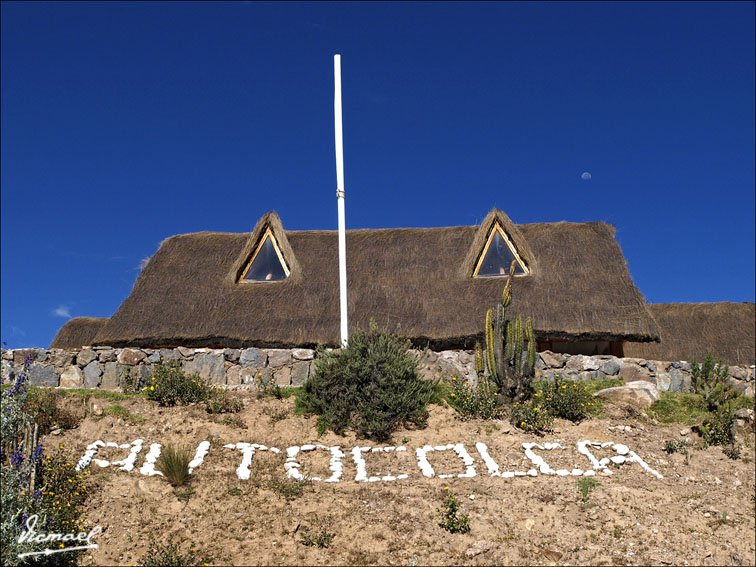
497,256
267,263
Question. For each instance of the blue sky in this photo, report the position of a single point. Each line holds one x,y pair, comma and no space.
126,123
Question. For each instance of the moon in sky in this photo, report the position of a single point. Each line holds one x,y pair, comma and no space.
586,175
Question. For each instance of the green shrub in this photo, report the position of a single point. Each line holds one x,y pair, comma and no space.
672,446
43,404
586,484
321,540
372,385
532,417
450,520
475,401
720,428
174,464
673,407
566,399
267,387
286,488
169,556
711,380
130,379
221,402
169,385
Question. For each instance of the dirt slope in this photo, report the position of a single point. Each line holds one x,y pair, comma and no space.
700,513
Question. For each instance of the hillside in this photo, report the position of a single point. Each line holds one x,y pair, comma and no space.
700,513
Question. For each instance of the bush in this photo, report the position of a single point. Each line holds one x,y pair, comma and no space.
585,485
321,540
169,556
32,484
169,385
566,399
711,380
481,401
221,402
372,385
174,464
42,405
672,446
532,417
719,429
450,521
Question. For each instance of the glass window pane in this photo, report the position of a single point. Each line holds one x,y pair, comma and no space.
266,266
498,258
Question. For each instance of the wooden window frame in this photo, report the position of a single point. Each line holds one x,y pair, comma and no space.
497,227
267,234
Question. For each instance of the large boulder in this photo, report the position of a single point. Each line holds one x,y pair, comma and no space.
43,375
639,394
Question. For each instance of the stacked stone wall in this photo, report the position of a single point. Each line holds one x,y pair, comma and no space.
104,367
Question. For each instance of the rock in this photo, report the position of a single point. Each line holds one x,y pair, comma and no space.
528,524
303,354
106,355
684,432
738,372
209,366
746,414
233,375
650,365
745,388
611,367
539,363
282,376
575,363
552,360
56,431
169,354
663,381
630,372
186,352
110,376
252,357
19,356
131,356
300,371
96,409
7,354
590,363
92,373
9,373
232,354
72,377
154,357
278,357
42,375
85,356
480,546
639,394
675,380
591,375
61,358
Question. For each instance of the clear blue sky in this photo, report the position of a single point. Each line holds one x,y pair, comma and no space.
126,123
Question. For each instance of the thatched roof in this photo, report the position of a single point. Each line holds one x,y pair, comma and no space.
78,332
691,329
419,278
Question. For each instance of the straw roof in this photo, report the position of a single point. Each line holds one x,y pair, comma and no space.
189,292
691,329
78,332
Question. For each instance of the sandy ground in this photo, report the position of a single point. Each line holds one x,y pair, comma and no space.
700,513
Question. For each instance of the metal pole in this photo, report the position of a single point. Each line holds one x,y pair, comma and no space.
340,198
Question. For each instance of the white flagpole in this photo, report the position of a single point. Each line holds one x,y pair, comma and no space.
340,198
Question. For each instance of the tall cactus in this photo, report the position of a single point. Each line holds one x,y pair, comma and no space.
505,344
479,364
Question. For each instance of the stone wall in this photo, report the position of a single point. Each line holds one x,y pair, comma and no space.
103,367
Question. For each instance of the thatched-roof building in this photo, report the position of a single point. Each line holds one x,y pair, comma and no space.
78,332
279,288
690,329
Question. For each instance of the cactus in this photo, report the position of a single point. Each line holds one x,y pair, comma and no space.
479,365
505,344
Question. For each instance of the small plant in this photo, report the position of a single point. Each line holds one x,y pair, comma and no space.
672,446
234,491
732,451
321,540
279,416
531,416
267,387
119,411
174,464
566,399
481,401
719,429
372,385
711,380
169,386
451,521
43,405
288,489
586,484
158,555
130,379
220,401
